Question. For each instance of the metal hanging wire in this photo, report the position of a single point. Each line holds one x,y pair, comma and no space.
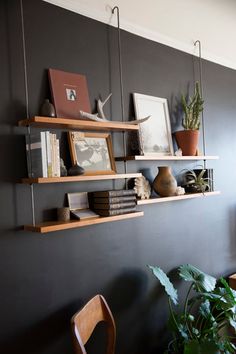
197,43
27,109
116,8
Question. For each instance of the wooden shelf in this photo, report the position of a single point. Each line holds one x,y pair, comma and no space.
164,158
57,226
76,124
82,178
176,198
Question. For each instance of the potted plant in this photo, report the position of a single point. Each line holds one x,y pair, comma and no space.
209,308
187,139
196,182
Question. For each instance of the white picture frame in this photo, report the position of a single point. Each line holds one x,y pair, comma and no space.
155,137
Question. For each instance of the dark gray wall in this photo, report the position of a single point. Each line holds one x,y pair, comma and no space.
45,279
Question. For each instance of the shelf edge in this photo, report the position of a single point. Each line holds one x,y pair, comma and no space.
59,226
165,158
82,178
70,123
177,198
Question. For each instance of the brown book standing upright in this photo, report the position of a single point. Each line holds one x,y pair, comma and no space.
69,93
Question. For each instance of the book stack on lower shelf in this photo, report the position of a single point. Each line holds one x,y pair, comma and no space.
113,202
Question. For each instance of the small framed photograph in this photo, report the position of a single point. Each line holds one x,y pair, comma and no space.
93,152
69,93
155,134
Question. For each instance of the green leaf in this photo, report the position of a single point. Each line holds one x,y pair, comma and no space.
194,347
205,309
165,281
202,281
230,292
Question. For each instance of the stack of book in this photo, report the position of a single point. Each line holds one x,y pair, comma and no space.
43,155
113,202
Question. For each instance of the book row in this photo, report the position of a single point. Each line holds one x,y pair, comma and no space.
43,155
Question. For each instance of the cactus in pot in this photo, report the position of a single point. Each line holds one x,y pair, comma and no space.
192,110
187,139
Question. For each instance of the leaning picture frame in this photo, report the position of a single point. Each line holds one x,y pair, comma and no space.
155,137
69,93
93,152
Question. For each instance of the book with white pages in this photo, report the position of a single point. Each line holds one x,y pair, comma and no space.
79,206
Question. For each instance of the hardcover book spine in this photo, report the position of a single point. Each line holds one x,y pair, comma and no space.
52,153
112,200
115,211
44,154
49,154
108,206
113,193
34,155
58,172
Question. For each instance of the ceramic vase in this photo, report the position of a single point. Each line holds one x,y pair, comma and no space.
165,184
47,109
187,141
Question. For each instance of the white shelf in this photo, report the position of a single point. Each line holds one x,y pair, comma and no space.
165,158
176,198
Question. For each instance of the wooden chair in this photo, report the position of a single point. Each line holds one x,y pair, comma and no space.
84,322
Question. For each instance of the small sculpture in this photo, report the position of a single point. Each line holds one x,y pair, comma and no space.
100,116
178,152
76,170
142,187
180,191
47,109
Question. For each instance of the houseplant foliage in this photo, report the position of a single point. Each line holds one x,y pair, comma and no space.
209,308
192,107
196,183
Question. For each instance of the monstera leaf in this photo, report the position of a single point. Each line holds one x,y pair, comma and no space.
165,281
202,281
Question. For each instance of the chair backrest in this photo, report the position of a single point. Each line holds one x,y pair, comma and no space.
84,322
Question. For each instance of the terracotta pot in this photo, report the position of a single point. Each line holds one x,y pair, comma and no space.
187,141
164,183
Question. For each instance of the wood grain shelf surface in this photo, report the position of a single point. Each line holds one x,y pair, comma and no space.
76,124
58,225
176,198
82,178
165,158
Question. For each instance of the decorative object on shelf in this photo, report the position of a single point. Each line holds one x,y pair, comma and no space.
79,206
155,135
187,139
76,170
69,92
178,152
63,168
100,115
93,152
196,181
142,187
209,308
63,214
47,109
180,191
164,183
